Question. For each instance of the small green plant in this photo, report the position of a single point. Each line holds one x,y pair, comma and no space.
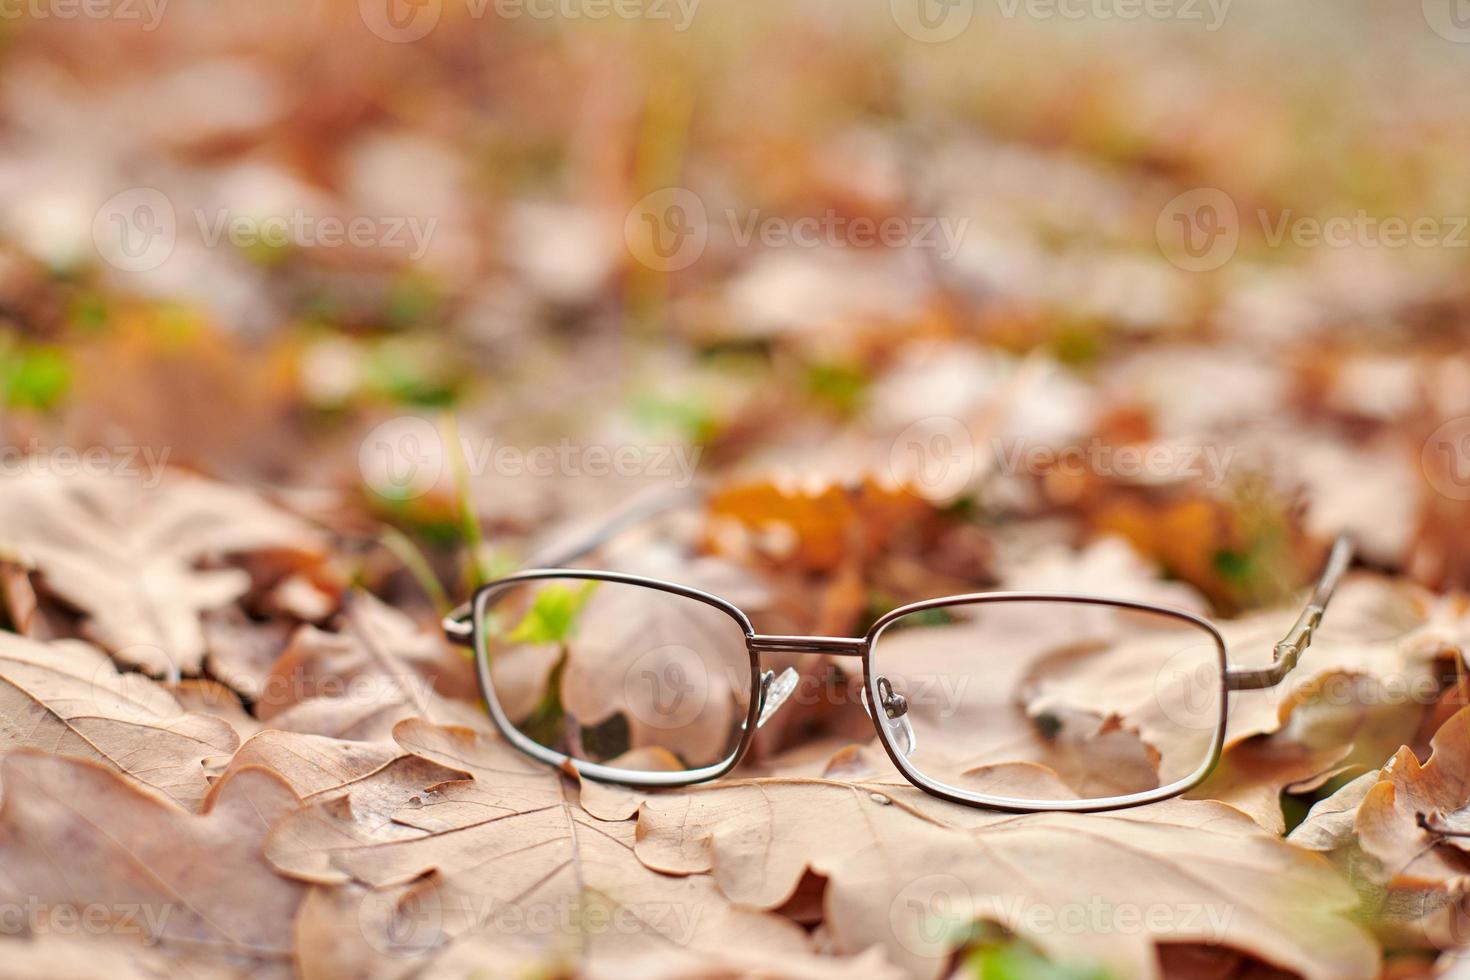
552,617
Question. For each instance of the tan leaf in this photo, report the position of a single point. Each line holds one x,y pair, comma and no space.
1370,670
241,650
127,555
211,698
508,864
1412,879
359,683
75,834
314,765
68,698
1253,775
910,873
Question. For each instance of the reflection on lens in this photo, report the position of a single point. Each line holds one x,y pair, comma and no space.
623,675
1049,701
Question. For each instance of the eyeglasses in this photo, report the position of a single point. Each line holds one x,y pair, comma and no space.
1019,701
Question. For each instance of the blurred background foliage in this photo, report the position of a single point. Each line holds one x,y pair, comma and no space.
521,143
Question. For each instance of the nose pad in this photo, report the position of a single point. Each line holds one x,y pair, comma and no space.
895,716
774,692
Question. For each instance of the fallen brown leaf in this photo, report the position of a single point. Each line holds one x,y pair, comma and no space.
127,555
508,864
67,698
75,835
910,873
1413,878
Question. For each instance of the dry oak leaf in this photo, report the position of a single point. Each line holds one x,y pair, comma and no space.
318,766
909,873
75,834
1413,879
127,554
68,698
207,697
359,683
508,864
68,953
1254,774
1386,633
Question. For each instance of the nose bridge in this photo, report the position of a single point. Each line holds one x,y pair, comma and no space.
841,646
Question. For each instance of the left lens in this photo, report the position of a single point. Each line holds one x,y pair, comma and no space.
619,674
1049,701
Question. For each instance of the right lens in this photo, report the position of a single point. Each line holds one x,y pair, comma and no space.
624,675
1050,701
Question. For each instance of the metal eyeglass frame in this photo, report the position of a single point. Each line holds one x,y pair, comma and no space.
460,628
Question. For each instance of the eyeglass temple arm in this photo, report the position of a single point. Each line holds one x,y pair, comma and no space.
457,624
1290,649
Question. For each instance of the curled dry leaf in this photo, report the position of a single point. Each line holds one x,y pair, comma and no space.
68,698
1253,775
910,874
73,834
507,866
1374,667
314,765
1413,878
127,555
